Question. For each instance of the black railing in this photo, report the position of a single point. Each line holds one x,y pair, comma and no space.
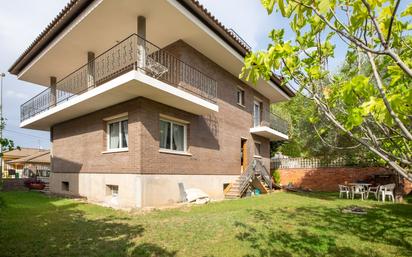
132,53
273,121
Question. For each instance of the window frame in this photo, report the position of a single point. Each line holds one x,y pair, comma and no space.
171,136
258,154
121,148
242,98
258,103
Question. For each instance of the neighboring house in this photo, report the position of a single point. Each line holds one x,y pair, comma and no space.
131,119
26,162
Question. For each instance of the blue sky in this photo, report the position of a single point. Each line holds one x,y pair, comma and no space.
26,19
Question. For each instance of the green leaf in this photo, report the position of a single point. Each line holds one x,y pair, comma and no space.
324,6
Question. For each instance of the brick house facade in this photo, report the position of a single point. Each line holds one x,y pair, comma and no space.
214,136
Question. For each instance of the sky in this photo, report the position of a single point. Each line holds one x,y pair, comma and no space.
21,21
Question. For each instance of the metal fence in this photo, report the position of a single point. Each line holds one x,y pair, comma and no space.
131,53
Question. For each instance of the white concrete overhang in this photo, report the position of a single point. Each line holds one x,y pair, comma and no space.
110,21
125,87
269,133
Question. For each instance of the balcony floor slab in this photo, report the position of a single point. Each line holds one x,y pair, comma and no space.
267,132
125,87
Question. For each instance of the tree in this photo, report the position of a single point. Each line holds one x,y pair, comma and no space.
6,144
317,139
369,100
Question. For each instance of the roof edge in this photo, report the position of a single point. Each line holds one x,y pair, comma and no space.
75,7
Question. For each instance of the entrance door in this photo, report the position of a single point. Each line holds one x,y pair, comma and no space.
243,155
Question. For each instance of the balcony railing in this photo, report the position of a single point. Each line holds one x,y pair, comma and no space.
133,53
275,122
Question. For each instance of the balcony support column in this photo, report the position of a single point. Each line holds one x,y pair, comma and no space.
90,70
141,43
53,91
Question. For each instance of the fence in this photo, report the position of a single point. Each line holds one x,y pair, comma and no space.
296,163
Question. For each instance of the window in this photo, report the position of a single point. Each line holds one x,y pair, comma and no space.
117,134
256,113
257,149
112,190
240,96
172,136
65,186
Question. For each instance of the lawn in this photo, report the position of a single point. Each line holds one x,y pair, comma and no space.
280,224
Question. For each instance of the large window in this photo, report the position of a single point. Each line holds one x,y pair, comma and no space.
117,134
172,136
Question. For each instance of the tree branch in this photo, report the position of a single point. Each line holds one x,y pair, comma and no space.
379,85
388,38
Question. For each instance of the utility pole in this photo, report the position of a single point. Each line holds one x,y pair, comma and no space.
2,75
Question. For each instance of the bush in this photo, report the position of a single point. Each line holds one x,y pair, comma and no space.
276,177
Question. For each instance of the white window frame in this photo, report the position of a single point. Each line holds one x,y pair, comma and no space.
242,99
120,149
167,150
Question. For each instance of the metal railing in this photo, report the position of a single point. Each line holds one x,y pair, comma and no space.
275,122
254,169
132,53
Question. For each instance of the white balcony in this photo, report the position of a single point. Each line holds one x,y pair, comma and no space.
132,68
276,129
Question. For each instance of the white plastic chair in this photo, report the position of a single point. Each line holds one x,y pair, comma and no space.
387,190
374,191
358,190
344,190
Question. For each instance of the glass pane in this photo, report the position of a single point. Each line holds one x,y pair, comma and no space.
165,134
125,138
256,115
114,136
178,137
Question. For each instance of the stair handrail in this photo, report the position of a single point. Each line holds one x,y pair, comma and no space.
265,174
245,177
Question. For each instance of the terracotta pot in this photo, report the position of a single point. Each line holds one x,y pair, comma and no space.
36,186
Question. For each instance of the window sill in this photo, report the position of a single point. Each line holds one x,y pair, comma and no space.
257,156
121,150
241,105
174,152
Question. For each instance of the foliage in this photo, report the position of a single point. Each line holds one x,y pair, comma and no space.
309,139
281,224
369,99
276,177
6,144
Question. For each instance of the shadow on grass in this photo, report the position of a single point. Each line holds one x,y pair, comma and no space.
325,231
55,229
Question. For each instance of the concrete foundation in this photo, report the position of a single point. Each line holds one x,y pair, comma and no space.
135,190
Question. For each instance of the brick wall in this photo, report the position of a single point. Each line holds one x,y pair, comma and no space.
213,140
327,179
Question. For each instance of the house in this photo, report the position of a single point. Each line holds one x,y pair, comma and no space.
143,96
26,162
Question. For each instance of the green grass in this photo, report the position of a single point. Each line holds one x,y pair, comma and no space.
281,224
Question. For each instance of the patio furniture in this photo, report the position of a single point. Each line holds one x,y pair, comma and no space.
387,190
358,189
344,190
374,190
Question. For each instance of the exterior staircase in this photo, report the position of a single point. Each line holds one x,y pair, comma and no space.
256,175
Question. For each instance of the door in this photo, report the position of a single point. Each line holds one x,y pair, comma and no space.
243,155
256,114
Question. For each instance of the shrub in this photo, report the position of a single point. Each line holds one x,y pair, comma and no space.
276,177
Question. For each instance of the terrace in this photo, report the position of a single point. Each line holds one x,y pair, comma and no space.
131,68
